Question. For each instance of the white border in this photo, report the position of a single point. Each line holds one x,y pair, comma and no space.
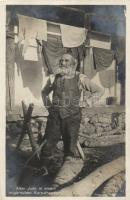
2,88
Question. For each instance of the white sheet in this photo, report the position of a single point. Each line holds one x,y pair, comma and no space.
72,36
32,28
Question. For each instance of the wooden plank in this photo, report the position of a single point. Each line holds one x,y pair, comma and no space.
10,73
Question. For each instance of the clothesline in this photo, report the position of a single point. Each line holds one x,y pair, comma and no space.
98,32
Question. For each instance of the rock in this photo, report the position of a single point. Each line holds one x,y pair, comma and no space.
107,115
104,120
122,126
94,119
81,139
98,124
89,129
86,120
104,125
99,129
108,128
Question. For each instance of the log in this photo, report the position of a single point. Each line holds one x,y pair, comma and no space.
24,107
116,131
113,185
89,184
31,137
26,126
29,112
104,141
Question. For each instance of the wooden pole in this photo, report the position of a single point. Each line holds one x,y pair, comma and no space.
26,126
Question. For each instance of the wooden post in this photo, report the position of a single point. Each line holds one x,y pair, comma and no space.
10,73
10,61
26,126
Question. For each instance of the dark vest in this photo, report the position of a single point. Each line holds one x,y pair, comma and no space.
66,96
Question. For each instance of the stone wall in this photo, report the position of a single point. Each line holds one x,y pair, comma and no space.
102,122
95,122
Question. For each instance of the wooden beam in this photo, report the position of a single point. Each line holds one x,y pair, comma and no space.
104,141
90,183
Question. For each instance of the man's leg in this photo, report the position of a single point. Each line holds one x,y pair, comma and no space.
65,136
70,135
52,136
72,163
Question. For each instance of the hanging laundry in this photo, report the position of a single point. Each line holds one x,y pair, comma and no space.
96,80
102,58
31,29
31,51
89,63
72,36
24,93
31,72
118,46
45,65
107,79
108,76
99,40
31,54
78,52
52,52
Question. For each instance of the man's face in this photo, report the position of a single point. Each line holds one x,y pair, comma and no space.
66,64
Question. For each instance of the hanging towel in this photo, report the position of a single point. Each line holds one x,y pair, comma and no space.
106,79
100,44
99,40
31,54
31,72
72,36
95,79
102,58
52,52
31,51
23,93
32,28
89,63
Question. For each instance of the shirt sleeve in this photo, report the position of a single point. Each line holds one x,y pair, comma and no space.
86,84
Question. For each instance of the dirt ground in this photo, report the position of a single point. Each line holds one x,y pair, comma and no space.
29,179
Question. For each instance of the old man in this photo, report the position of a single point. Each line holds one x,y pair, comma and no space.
65,114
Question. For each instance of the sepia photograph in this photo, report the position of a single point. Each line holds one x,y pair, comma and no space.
65,100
